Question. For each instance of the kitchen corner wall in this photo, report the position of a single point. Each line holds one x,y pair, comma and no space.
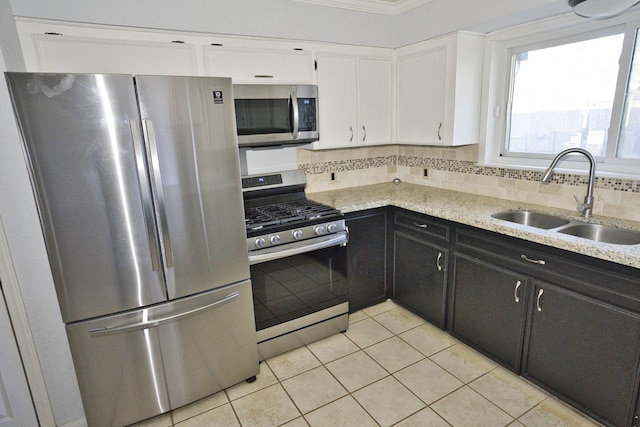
456,168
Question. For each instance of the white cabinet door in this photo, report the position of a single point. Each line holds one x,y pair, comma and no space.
421,96
355,93
61,53
374,100
337,91
254,65
439,88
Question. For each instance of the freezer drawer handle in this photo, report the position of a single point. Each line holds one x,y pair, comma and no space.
100,332
159,190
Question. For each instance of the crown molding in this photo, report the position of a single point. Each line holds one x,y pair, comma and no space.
385,7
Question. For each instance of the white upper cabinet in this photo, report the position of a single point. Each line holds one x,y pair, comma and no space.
82,49
259,64
439,90
355,97
427,93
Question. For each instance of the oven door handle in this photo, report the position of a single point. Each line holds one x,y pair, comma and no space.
298,248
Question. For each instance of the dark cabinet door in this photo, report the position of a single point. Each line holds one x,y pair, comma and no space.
419,276
366,258
584,350
489,308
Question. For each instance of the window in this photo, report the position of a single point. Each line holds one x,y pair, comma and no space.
562,83
562,96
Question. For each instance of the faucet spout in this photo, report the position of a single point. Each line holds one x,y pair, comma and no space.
587,206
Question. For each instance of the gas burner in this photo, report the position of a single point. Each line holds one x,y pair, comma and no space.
278,214
260,217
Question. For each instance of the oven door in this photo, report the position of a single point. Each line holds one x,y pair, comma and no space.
296,287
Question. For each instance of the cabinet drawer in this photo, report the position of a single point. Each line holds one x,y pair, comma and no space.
422,225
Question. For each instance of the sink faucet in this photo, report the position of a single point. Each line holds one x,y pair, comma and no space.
586,206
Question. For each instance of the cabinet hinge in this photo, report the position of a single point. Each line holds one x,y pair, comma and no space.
315,64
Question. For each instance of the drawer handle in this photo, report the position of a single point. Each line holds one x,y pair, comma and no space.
438,261
417,224
351,130
439,134
540,292
535,261
515,292
364,136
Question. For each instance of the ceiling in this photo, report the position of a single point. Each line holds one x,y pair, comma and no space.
386,7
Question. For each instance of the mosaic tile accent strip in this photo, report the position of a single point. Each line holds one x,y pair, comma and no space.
346,165
469,167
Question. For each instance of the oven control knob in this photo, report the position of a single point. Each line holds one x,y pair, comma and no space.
259,242
297,234
319,230
332,228
275,239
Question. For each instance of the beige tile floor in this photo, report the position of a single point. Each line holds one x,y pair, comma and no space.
390,368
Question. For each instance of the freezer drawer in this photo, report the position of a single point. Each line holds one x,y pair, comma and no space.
139,364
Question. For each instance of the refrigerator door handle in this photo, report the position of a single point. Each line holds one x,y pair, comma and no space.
147,203
101,332
150,136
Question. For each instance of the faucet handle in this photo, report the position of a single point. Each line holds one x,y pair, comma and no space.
584,206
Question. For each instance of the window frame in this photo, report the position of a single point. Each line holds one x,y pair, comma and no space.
497,90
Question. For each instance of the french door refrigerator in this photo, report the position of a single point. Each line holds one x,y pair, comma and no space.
137,182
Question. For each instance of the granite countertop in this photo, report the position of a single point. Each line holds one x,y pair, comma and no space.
474,210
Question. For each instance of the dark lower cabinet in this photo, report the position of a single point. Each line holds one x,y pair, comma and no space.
366,258
567,322
490,309
419,279
585,351
420,264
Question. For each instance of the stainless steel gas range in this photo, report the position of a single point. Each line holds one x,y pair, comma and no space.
297,256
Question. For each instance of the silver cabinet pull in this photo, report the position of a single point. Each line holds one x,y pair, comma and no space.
534,261
421,225
439,134
438,261
540,292
515,292
364,136
351,130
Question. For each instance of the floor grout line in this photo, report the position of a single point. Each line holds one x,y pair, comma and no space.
388,374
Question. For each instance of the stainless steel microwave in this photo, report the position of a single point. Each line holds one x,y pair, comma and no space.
276,114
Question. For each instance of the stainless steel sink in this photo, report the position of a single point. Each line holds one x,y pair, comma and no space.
532,219
602,233
594,232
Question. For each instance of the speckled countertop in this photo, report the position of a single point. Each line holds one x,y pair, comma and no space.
476,211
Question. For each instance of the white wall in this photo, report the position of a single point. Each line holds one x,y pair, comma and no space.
21,223
294,20
265,18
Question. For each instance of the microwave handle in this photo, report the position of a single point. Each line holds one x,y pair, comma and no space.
296,113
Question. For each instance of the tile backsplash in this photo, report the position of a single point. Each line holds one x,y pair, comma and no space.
456,168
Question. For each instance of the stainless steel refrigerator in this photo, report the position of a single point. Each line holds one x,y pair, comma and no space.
137,183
